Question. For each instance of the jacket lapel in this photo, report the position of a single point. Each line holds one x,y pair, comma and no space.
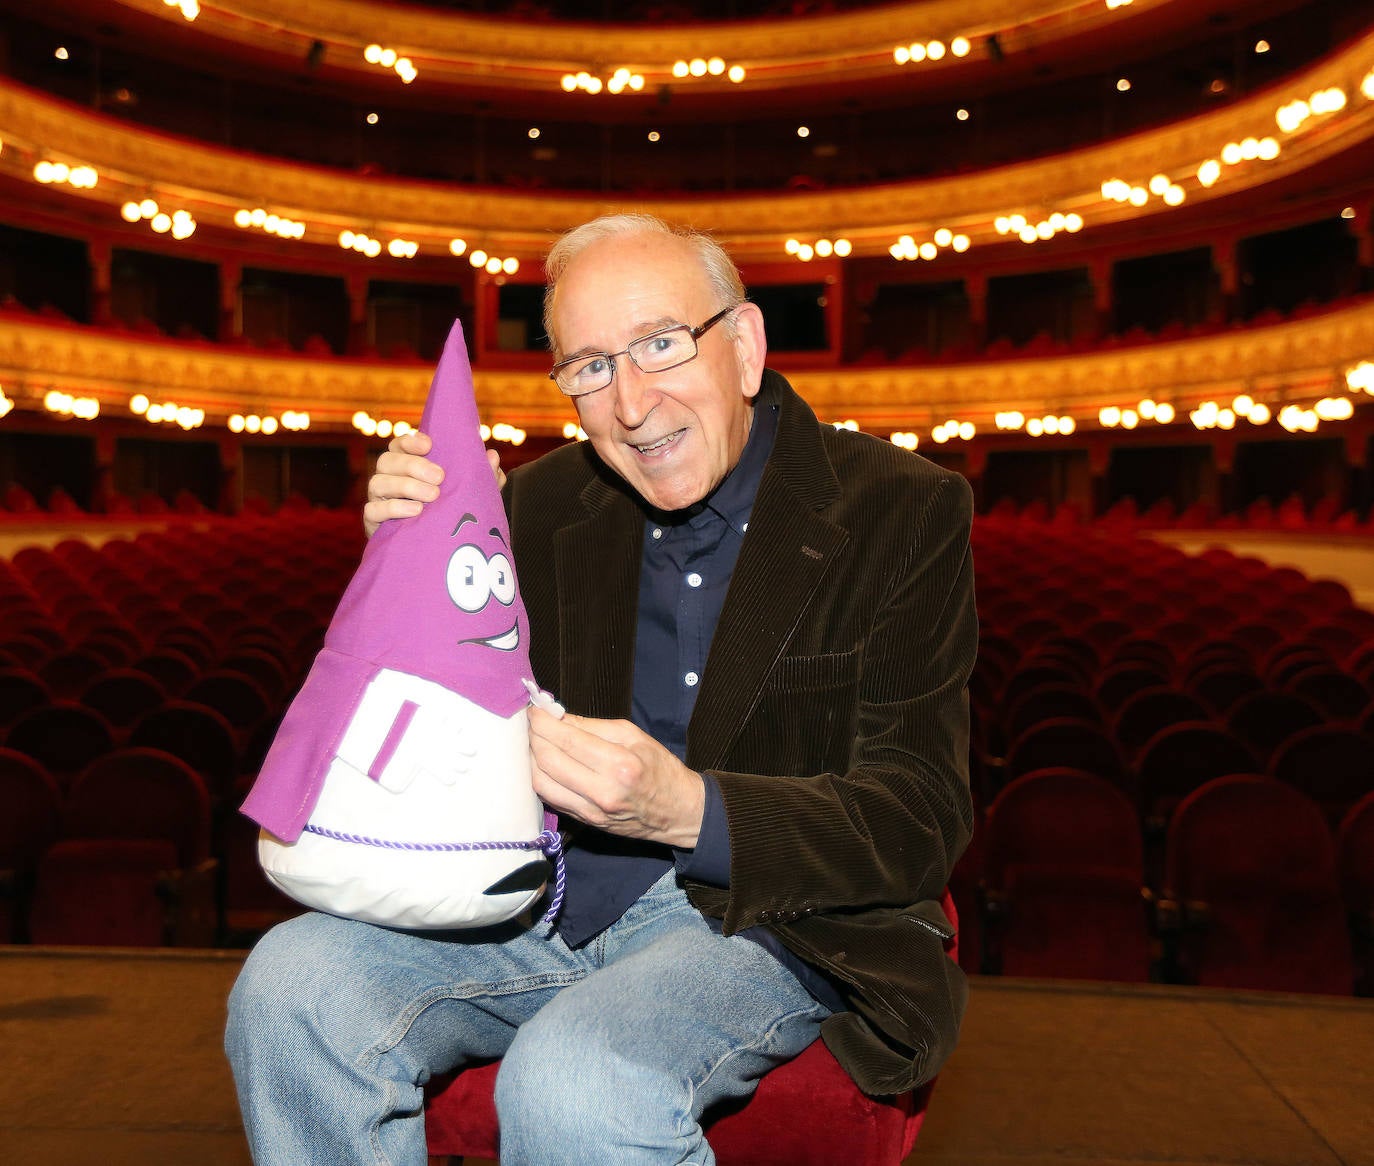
785,556
598,606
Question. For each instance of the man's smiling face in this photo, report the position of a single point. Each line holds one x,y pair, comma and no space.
674,435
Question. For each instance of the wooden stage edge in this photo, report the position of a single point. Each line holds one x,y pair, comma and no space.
114,1057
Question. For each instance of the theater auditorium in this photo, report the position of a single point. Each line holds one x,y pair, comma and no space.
1110,260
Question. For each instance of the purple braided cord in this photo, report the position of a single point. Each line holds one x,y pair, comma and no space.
549,843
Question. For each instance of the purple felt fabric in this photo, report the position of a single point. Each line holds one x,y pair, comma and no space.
434,596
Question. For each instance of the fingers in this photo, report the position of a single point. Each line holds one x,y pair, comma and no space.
494,460
404,480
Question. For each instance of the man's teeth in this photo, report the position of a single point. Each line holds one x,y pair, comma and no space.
654,445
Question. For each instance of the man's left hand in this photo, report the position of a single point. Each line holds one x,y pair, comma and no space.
613,775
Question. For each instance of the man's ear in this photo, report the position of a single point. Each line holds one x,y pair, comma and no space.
751,344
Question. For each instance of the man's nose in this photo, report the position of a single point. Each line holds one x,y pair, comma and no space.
634,395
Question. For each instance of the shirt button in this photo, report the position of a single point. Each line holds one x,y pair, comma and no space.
691,679
658,532
693,580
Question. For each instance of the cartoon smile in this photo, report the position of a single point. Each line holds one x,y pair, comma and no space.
506,641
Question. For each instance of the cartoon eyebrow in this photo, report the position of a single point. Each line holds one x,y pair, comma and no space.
497,534
465,518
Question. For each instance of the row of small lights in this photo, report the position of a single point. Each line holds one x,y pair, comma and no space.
931,50
80,177
620,80
1046,228
1290,117
503,432
291,420
66,405
180,223
166,413
906,247
820,249
1361,378
370,426
1051,423
278,225
391,59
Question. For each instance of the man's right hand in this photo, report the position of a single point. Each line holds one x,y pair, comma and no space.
405,479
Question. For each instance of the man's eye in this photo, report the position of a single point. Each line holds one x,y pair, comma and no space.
593,368
661,345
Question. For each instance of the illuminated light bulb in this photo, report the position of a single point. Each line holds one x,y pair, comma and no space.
736,74
1231,153
939,436
843,247
1035,427
396,247
373,248
1225,419
130,213
961,114
803,131
637,82
1129,418
1249,149
895,251
1123,85
236,423
1043,229
1017,222
1002,224
917,52
1146,409
154,413
347,239
1109,416
1050,423
510,266
594,86
493,266
1269,149
935,50
1209,172
186,417
384,428
792,246
824,248
680,69
1308,421
457,246
1174,195
615,85
901,54
478,258
928,251
369,427
242,218
654,135
1259,415
138,403
1073,222
960,243
715,66
1058,222
1159,184
372,54
1139,196
1243,404
147,208
569,429
252,423
162,223
944,237
1028,234
1367,85
966,431
60,172
1164,413
960,46
1067,425
270,222
806,252
387,59
183,228
568,82
697,67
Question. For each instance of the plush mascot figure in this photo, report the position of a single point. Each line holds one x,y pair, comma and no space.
397,789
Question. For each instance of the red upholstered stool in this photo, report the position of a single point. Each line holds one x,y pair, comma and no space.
804,1113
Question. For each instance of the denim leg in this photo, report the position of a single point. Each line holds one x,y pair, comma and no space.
620,1066
335,1026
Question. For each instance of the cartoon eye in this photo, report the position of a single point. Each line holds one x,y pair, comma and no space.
502,579
469,581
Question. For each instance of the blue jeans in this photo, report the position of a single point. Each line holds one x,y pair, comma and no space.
612,1052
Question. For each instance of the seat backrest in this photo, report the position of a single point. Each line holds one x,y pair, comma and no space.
20,690
197,735
141,793
64,737
1150,710
1066,741
1061,817
1179,759
1265,719
1332,765
29,810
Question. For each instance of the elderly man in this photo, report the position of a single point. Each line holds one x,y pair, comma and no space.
762,628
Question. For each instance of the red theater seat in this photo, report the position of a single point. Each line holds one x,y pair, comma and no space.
804,1113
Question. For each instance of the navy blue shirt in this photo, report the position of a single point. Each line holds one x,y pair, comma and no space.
685,567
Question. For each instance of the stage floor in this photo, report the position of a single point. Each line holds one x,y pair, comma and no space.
114,1057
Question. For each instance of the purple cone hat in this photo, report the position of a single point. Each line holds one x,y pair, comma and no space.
434,597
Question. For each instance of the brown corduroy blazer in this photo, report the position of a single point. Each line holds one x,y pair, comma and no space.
832,710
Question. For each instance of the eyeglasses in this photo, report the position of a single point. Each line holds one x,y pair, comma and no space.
657,352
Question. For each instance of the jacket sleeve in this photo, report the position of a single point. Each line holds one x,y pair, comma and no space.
884,830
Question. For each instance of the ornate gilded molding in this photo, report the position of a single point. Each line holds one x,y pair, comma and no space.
213,183
1300,360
